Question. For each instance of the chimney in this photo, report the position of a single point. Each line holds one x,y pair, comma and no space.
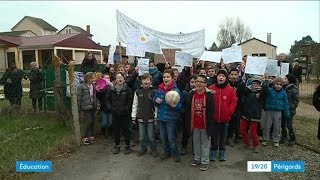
269,38
88,29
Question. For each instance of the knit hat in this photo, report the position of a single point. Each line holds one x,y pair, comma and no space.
223,71
291,78
278,79
256,79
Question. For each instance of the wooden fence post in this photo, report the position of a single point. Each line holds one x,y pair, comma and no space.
74,103
57,91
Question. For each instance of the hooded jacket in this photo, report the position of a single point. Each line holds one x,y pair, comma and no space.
277,101
225,102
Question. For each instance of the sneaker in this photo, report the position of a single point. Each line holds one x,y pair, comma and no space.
264,143
204,167
176,159
164,156
86,141
131,144
116,149
127,150
195,163
154,153
276,144
183,151
256,149
246,146
141,153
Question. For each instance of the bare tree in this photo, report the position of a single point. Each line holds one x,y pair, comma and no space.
233,31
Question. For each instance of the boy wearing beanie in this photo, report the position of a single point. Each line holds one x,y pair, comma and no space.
225,103
276,103
289,84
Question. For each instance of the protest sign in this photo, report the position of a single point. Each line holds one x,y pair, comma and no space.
232,54
143,65
284,69
211,56
272,68
183,59
256,65
112,49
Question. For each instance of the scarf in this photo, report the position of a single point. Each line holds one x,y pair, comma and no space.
166,89
220,86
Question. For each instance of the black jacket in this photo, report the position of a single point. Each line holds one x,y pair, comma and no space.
253,102
120,104
209,112
293,97
102,98
316,98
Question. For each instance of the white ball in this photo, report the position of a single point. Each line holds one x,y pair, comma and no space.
172,97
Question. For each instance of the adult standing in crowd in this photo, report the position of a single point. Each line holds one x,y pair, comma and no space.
36,85
316,104
282,59
297,71
89,63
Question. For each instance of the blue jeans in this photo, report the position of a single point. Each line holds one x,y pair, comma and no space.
90,123
146,134
106,119
168,135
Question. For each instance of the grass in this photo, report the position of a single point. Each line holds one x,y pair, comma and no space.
306,132
19,141
307,100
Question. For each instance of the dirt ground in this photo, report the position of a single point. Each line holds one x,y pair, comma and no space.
97,162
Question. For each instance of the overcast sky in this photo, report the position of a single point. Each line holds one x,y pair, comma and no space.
286,20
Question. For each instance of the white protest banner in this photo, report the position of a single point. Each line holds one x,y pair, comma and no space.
153,45
136,43
183,59
256,65
211,56
232,54
284,69
191,42
112,49
135,50
143,65
272,68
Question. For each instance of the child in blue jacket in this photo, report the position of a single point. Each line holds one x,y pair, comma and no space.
168,116
276,102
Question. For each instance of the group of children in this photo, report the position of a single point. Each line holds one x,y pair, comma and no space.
214,106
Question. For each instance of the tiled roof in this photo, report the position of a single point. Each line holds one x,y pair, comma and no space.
257,40
42,23
15,33
78,29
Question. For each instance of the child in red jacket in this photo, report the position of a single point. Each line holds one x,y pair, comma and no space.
225,102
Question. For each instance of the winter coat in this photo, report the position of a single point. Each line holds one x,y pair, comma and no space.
225,102
83,96
156,77
120,103
316,98
237,87
36,83
209,109
277,101
102,100
142,107
165,111
297,72
12,81
185,93
212,80
293,97
253,101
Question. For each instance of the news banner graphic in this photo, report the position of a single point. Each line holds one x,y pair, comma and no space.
33,166
275,166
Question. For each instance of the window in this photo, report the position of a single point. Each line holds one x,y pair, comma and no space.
68,30
262,55
255,54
